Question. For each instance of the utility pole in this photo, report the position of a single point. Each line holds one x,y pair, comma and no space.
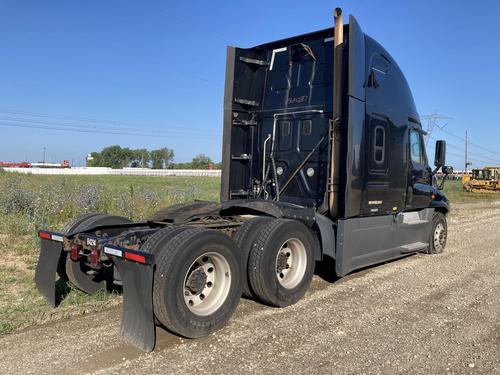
432,122
44,155
467,162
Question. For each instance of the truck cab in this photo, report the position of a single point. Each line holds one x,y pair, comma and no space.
309,120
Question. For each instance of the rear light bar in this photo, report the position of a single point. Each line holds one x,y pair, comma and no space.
46,235
129,254
121,252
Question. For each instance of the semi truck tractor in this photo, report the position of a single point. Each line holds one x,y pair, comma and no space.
323,161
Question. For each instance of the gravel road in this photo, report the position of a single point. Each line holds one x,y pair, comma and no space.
421,315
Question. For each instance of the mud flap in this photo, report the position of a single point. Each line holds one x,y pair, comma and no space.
45,274
137,324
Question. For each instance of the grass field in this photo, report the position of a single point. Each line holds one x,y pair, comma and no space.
455,194
29,202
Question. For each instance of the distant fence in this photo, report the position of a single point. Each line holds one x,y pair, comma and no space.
120,172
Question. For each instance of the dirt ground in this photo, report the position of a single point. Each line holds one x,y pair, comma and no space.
420,315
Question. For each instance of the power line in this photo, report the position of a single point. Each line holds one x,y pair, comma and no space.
101,131
469,142
461,149
187,132
461,156
55,120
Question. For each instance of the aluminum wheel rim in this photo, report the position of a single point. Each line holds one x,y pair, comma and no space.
291,263
217,283
439,237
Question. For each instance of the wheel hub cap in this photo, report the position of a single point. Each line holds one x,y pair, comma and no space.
291,263
282,262
439,236
196,281
207,283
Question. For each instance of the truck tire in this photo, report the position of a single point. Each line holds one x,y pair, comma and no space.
76,271
197,283
159,240
244,238
281,263
438,235
69,228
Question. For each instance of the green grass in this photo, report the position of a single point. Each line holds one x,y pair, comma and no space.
455,193
30,202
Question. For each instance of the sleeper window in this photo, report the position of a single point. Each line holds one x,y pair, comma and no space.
379,144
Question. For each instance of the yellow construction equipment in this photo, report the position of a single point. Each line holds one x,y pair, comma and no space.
485,180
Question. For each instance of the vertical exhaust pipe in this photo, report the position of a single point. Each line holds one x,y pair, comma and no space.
335,131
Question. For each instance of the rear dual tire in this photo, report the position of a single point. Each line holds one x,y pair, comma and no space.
76,271
244,238
198,280
281,262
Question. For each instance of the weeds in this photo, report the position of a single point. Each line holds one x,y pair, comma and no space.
29,203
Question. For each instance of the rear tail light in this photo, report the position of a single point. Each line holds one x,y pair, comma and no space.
45,235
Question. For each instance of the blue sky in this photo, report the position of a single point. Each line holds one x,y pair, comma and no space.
159,65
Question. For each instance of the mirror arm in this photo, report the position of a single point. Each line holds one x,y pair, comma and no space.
441,185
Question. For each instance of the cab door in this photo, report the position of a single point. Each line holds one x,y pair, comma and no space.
420,174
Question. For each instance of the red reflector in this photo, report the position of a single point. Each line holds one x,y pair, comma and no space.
74,252
44,235
135,257
94,257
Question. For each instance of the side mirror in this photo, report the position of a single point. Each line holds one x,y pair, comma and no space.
440,155
447,170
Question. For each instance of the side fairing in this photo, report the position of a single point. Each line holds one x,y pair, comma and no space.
380,106
390,110
356,117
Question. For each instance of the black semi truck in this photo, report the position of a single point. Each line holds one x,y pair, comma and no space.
323,161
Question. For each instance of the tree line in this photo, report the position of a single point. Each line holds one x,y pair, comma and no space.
120,157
